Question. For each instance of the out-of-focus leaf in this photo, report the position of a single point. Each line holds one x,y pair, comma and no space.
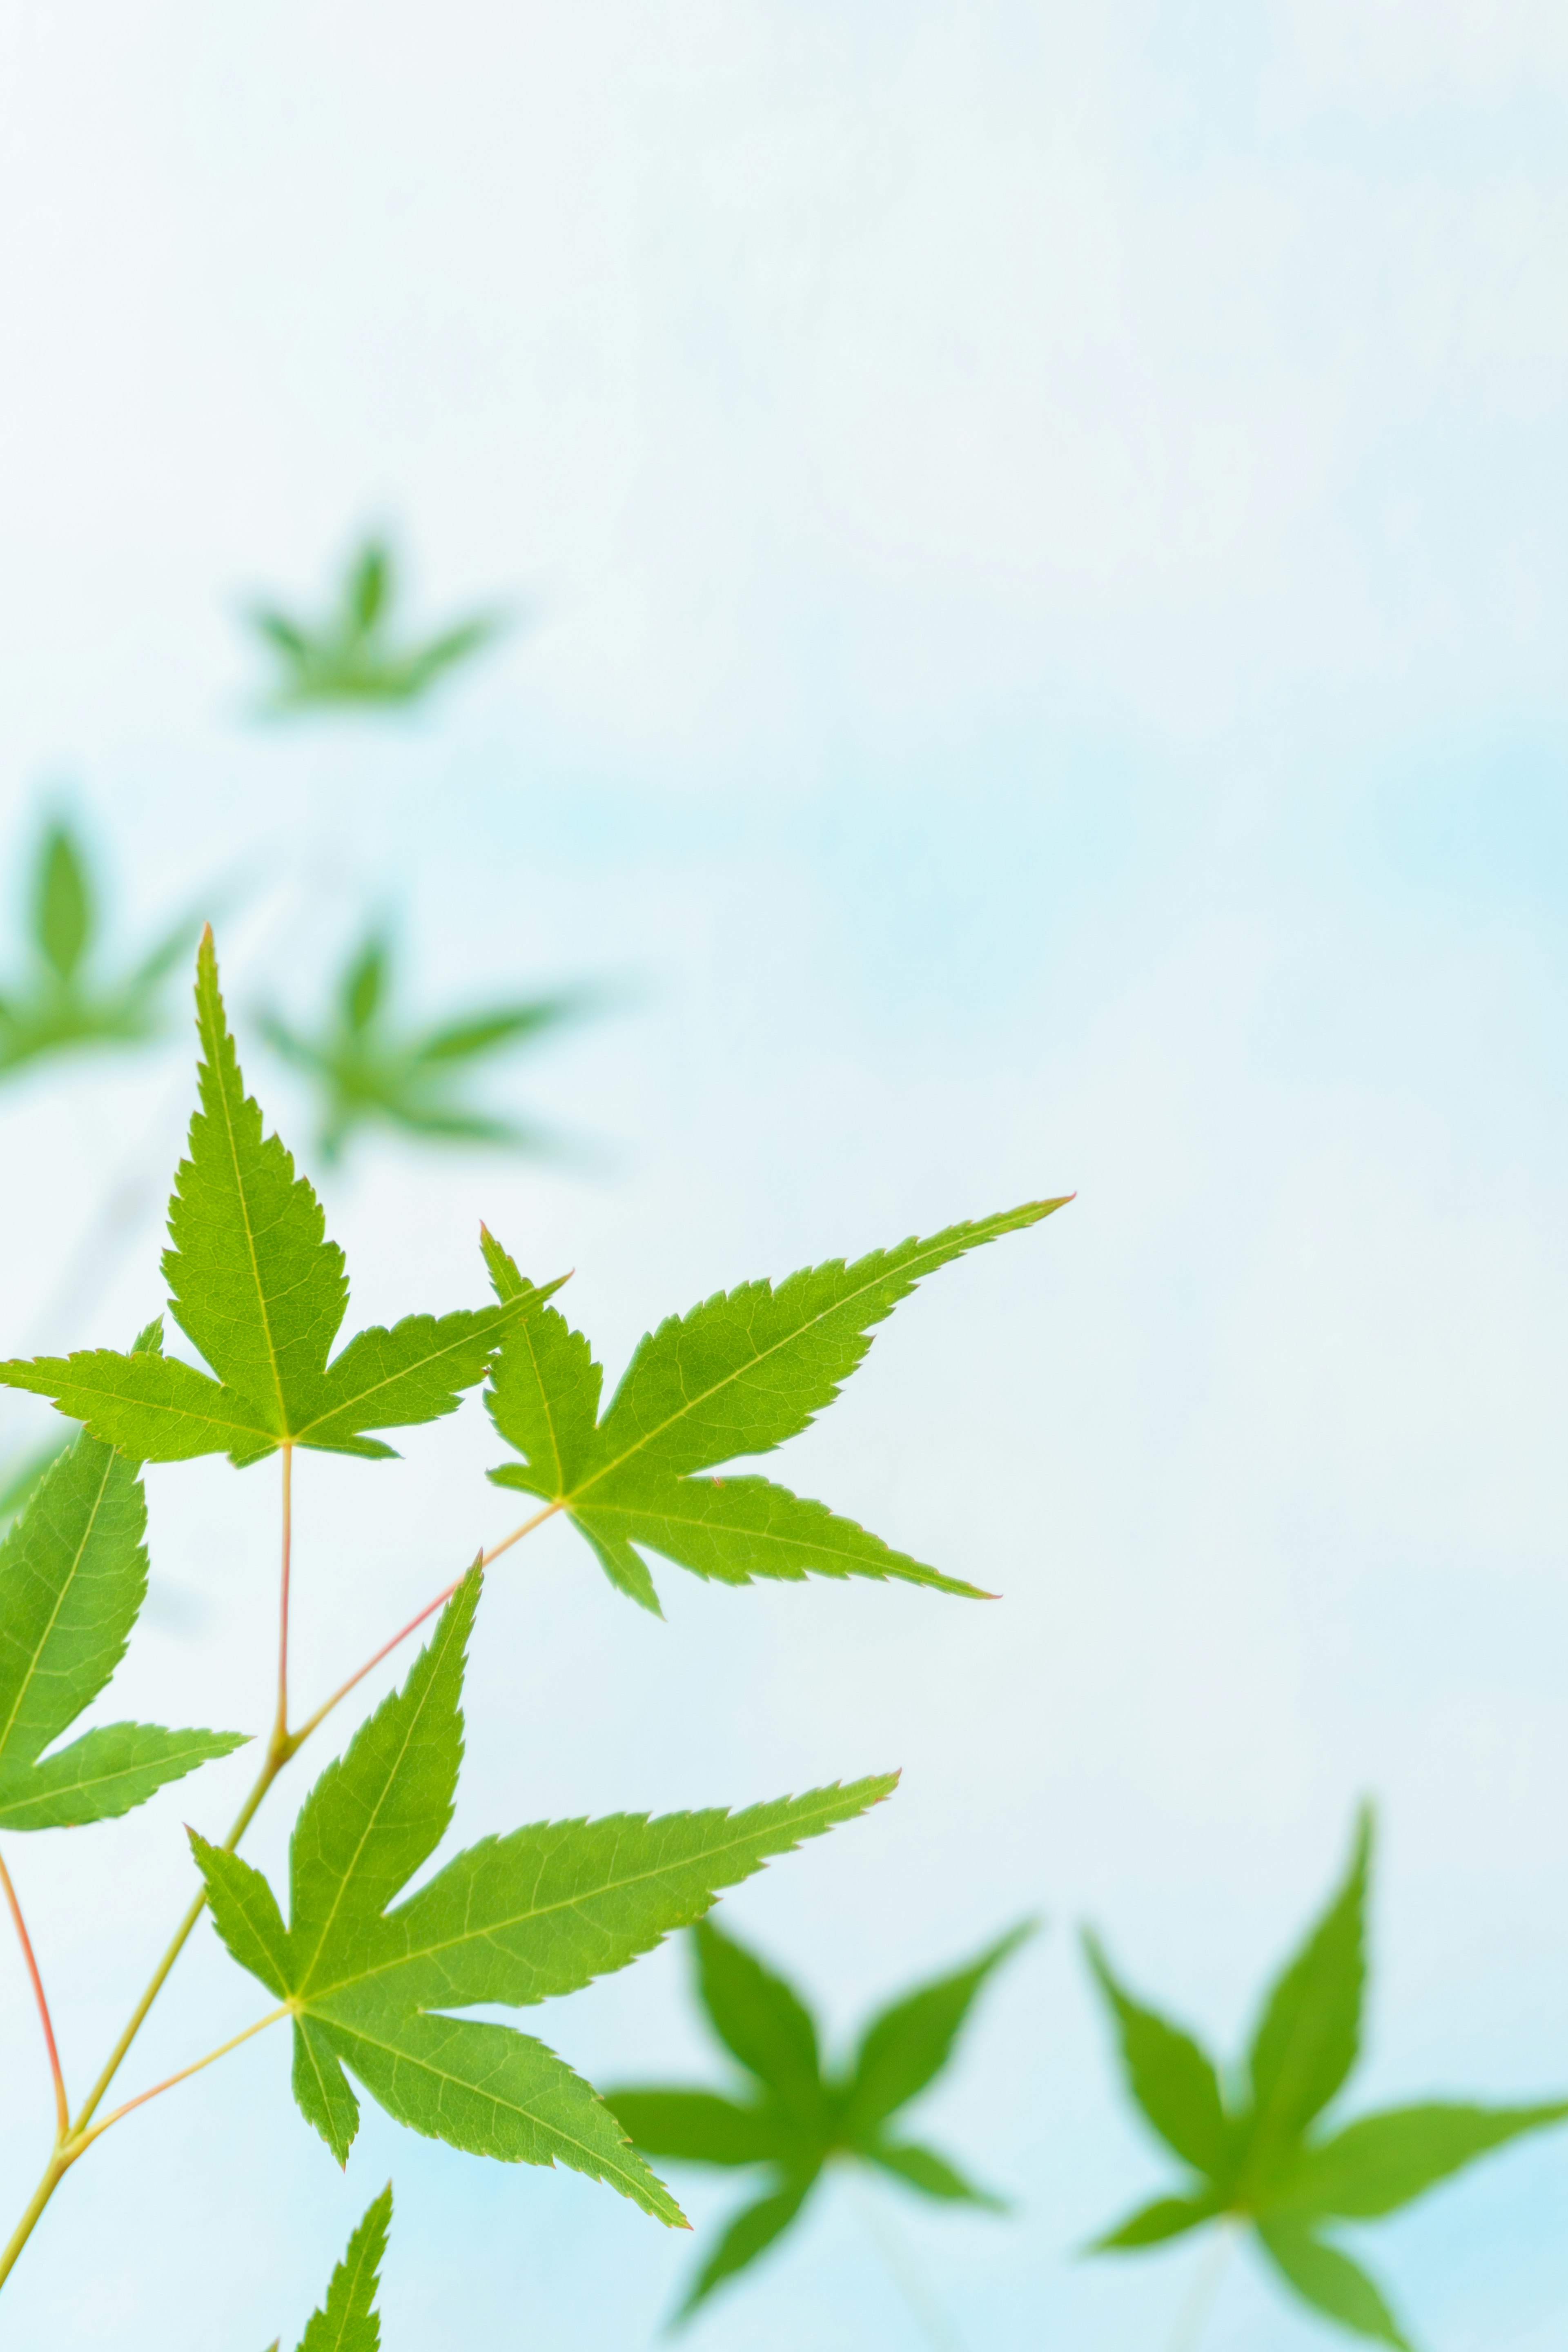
797,2116
1173,2080
65,1001
63,912
1257,2165
357,656
1328,2282
368,1070
1381,2162
1307,2036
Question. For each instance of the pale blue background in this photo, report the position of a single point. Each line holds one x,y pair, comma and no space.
1048,534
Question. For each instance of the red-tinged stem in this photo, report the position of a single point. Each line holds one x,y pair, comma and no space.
413,1624
72,2145
83,2140
281,1746
62,2104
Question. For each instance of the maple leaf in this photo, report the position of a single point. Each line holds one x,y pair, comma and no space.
738,1375
62,1004
73,1576
1262,2157
355,655
795,2117
347,2321
261,1291
367,1073
371,1982
21,1471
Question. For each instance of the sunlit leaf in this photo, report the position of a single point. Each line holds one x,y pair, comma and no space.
347,2321
738,1375
259,1288
371,1982
73,1577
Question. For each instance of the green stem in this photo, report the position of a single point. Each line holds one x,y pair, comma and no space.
281,1747
53,2174
80,2141
906,2274
1206,2286
72,2145
242,1821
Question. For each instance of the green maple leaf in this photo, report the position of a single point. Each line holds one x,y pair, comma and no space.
355,657
73,1576
261,1291
347,2321
367,1072
740,1374
795,2117
63,1001
20,1473
1263,2157
371,1982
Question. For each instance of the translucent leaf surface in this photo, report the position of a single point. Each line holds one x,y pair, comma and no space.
512,1920
699,2128
73,1576
259,1289
751,2233
738,1375
1309,2034
1173,2080
910,2042
798,2117
1153,2224
1263,2171
764,2022
933,2174
1380,2163
1328,2280
347,2321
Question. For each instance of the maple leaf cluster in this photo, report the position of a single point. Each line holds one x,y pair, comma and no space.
378,1984
374,1981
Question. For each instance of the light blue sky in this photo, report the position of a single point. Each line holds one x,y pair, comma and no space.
1047,533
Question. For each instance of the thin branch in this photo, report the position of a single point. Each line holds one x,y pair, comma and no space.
181,1937
280,1724
278,1756
484,1559
53,2173
898,2260
62,2104
83,2140
1204,2287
